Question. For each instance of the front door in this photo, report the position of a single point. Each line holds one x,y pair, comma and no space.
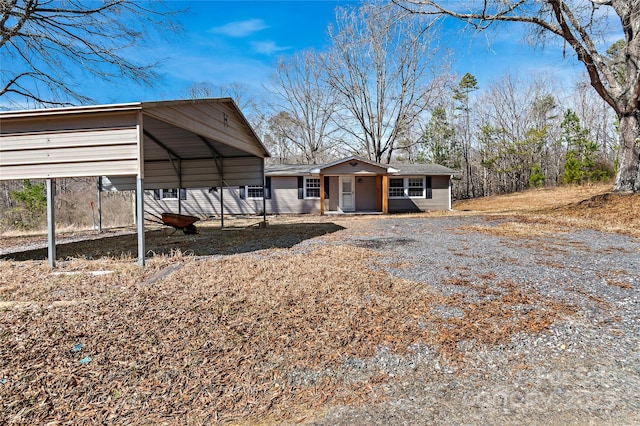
347,195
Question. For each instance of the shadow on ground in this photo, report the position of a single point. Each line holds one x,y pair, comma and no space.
209,241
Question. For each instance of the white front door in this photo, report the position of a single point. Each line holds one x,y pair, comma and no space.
347,194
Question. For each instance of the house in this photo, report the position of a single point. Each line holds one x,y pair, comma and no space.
351,184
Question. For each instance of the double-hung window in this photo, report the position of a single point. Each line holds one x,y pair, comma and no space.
415,187
409,187
311,187
255,191
396,188
170,194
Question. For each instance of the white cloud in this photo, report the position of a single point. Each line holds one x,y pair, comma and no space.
240,28
267,47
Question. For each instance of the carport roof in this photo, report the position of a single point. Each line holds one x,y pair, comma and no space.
183,130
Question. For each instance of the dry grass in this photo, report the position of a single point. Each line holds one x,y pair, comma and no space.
230,338
532,200
559,210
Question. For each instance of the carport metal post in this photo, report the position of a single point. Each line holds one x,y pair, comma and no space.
100,204
140,191
140,215
51,222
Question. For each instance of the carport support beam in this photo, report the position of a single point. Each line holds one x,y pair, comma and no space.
140,219
100,204
51,222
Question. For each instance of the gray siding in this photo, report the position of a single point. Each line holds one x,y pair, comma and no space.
284,193
439,201
202,203
284,197
334,189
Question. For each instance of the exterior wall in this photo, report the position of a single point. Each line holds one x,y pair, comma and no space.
439,200
284,199
202,203
366,194
334,189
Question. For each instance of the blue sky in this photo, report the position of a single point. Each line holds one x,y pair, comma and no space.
239,41
234,41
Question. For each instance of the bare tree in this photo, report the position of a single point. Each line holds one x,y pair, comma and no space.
239,92
384,68
46,45
301,94
577,24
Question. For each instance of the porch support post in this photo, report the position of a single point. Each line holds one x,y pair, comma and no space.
385,194
264,195
140,218
51,222
321,194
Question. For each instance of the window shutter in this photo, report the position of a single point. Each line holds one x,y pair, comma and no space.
428,192
242,192
156,194
326,188
183,193
267,188
300,187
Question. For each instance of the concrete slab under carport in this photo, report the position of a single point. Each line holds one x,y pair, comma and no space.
176,144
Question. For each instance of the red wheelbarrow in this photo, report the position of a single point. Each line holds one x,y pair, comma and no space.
179,222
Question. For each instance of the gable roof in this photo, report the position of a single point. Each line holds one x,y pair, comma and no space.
388,168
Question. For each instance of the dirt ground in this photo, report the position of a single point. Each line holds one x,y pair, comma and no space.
405,319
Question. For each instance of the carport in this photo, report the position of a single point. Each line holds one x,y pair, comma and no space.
134,146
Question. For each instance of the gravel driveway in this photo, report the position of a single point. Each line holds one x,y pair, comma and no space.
585,369
572,357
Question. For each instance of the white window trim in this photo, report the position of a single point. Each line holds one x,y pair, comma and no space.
162,197
305,188
246,192
405,187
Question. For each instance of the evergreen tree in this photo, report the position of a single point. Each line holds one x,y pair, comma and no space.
437,143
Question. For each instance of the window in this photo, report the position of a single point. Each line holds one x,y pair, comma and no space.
257,191
409,187
396,188
312,188
169,194
416,187
254,191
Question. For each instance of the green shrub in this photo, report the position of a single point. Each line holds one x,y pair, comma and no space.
30,205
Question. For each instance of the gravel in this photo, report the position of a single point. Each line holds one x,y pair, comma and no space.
584,369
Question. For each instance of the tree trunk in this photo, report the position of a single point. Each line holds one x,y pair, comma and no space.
628,179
